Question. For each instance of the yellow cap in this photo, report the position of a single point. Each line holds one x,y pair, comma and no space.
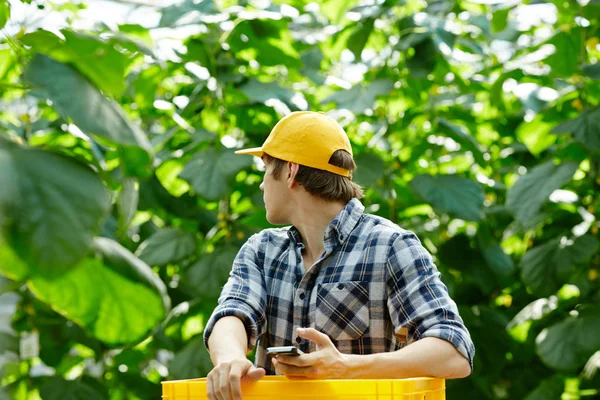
306,138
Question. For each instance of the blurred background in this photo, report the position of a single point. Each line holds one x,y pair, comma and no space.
475,124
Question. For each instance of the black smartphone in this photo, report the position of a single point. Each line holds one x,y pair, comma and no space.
284,351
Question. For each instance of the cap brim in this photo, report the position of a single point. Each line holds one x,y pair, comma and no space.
256,151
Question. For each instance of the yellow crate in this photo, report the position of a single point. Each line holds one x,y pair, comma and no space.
280,387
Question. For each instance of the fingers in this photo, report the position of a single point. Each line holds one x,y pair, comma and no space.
292,370
235,377
224,387
314,336
254,374
305,360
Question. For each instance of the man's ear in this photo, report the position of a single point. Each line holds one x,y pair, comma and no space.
293,169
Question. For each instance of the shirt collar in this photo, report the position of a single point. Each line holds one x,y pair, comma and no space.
340,228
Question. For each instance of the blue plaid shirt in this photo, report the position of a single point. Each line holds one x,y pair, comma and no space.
374,289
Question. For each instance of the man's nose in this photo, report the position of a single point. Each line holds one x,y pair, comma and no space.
262,186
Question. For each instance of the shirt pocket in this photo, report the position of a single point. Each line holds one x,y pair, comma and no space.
342,310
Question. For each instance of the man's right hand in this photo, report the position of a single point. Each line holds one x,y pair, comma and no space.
224,381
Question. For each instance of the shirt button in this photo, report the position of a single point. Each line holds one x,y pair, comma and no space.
340,286
302,296
298,339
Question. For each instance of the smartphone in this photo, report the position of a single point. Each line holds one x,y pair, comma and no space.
284,351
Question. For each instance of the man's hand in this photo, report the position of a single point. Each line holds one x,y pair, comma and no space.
224,381
325,363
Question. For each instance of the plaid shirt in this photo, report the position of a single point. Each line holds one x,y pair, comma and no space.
374,289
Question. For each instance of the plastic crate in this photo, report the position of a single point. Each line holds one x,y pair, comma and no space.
280,387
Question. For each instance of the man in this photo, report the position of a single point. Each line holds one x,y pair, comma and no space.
357,293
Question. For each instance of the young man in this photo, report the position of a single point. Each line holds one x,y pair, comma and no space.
357,293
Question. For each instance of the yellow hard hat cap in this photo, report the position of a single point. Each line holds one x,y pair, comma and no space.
306,138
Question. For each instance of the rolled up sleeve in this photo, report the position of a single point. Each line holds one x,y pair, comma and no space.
244,294
418,301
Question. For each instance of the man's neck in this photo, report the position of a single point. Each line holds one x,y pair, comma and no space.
311,216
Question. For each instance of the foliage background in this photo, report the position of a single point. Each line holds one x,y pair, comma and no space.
475,123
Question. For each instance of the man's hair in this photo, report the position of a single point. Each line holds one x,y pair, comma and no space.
323,184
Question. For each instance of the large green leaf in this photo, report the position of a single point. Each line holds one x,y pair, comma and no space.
526,197
262,92
567,345
52,206
167,246
593,70
551,388
126,264
4,12
360,96
585,128
265,37
547,267
58,388
192,361
466,140
207,276
97,60
565,60
370,168
191,10
492,252
93,113
360,37
451,194
116,297
534,134
210,172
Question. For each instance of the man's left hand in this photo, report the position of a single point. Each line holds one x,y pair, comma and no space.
325,363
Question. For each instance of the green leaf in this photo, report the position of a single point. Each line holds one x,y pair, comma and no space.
361,96
335,10
424,60
312,65
97,60
262,92
11,265
111,307
52,207
192,361
4,13
58,388
500,20
585,128
547,267
451,194
551,388
167,246
592,71
492,252
122,261
127,202
466,140
535,135
207,276
360,37
567,345
93,113
370,168
172,14
264,37
527,196
199,51
210,172
168,173
565,61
